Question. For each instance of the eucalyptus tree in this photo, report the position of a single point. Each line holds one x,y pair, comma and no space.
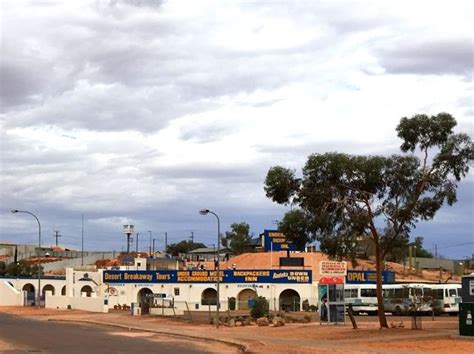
341,197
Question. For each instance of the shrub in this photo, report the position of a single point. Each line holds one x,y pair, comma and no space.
260,309
232,303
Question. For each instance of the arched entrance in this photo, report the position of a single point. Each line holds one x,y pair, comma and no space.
30,293
246,299
289,300
63,291
145,299
86,289
47,287
209,297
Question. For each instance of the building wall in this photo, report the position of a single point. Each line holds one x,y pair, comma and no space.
9,296
92,304
70,291
190,295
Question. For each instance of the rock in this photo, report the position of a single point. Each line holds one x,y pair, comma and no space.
278,322
231,323
247,321
263,321
238,324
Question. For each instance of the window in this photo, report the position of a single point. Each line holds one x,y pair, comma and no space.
388,293
368,293
350,293
139,264
452,292
438,294
401,293
176,291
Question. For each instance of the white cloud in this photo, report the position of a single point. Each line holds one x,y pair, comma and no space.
147,111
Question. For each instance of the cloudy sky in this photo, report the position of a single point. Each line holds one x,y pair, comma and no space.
144,112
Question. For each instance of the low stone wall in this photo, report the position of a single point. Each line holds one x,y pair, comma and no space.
91,304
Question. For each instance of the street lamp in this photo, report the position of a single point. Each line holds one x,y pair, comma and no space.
205,212
150,242
39,249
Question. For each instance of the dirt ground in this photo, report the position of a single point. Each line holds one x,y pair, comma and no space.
439,336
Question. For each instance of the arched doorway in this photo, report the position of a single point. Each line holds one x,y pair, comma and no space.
63,291
246,299
145,299
47,287
30,293
209,297
289,300
86,289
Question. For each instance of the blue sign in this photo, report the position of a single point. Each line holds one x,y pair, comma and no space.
208,276
276,241
368,277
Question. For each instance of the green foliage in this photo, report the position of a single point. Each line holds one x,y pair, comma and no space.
232,302
238,238
343,196
183,247
281,184
19,269
261,308
295,227
419,250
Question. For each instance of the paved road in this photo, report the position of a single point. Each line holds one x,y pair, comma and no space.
24,335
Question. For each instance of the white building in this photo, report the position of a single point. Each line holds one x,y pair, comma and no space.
164,291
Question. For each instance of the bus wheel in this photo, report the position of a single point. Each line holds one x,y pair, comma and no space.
398,311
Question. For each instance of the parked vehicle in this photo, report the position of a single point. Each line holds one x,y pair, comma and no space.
403,299
363,298
446,298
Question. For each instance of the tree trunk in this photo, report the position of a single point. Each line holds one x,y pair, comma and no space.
379,269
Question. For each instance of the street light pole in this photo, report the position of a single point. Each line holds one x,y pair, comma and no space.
205,212
150,242
39,250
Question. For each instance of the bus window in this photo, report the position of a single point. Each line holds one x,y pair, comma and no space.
350,293
368,293
418,292
437,294
452,292
401,293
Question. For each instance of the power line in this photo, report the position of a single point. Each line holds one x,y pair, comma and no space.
457,245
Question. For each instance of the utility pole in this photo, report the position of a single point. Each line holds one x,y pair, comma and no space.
192,237
82,240
166,241
56,235
136,243
150,242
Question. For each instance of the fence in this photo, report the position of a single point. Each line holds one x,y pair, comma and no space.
62,254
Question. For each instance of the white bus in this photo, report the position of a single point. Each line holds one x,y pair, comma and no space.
401,299
363,298
446,298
